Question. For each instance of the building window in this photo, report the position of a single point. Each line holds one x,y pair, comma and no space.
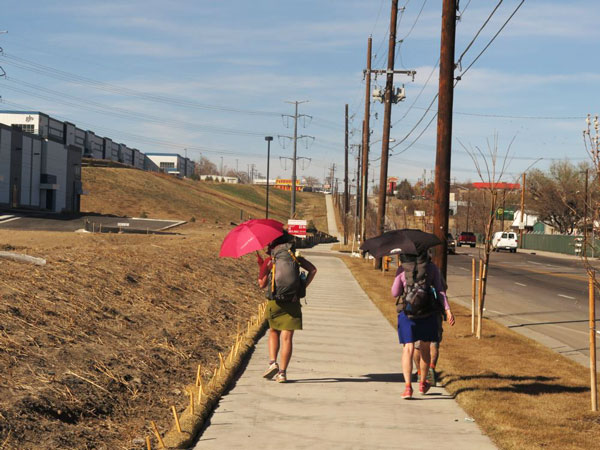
167,165
25,127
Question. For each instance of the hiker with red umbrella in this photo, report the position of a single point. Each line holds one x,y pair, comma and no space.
280,273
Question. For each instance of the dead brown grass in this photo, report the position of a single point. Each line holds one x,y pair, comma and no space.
522,394
312,207
134,193
105,336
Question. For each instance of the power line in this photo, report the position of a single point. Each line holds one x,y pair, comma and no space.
458,78
458,63
108,87
491,40
100,108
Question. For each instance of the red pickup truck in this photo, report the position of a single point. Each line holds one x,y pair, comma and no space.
466,238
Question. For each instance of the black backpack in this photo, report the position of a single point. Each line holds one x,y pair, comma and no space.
419,299
284,282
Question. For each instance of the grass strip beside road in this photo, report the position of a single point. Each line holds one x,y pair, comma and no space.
522,394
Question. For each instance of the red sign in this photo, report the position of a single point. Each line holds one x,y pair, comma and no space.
297,228
498,185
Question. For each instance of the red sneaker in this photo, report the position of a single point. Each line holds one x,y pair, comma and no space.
408,392
424,387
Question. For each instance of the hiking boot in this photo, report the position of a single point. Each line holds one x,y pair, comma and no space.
271,371
408,392
281,377
432,376
424,387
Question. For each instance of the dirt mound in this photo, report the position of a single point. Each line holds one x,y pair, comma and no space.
104,337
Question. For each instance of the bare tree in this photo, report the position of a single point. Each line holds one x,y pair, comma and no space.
491,167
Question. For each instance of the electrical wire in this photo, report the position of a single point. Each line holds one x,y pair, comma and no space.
455,83
491,40
458,63
108,87
89,105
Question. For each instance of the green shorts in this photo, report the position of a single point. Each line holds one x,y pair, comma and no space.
284,315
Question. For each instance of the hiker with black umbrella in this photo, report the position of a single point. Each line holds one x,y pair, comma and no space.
420,292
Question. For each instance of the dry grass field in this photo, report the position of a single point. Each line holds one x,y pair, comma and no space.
104,337
133,193
522,394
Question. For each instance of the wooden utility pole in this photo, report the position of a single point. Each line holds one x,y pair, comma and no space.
366,133
346,190
523,222
387,116
358,186
593,373
444,133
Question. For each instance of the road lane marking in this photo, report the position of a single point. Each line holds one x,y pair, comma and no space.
521,284
545,272
566,296
463,268
10,220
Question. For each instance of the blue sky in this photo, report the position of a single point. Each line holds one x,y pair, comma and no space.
213,76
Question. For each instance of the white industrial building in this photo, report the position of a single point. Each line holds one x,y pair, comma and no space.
173,163
41,170
40,160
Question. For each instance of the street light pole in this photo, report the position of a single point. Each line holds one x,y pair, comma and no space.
268,139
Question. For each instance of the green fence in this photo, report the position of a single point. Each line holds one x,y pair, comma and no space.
558,244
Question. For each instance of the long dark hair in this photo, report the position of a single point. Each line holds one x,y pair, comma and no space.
283,239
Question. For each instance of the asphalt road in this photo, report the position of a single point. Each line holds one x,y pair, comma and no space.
40,222
545,298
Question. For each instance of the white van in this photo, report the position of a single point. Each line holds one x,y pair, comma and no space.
505,240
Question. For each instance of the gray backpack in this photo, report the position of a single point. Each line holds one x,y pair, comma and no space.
284,283
420,297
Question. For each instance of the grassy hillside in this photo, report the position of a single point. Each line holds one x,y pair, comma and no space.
134,193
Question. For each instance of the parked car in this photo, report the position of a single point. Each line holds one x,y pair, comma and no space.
467,238
505,240
451,244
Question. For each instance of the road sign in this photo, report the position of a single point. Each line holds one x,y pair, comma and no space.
122,224
297,228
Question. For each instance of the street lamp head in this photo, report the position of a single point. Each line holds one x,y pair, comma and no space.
268,138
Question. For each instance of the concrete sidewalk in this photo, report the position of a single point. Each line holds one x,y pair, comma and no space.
332,228
345,385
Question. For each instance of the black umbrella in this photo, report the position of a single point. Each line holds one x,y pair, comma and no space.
406,241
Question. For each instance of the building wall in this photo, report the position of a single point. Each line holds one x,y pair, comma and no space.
31,162
29,119
5,138
94,145
54,172
126,155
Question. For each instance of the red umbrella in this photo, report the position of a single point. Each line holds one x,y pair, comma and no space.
250,236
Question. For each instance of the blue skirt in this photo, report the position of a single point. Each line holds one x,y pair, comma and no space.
412,330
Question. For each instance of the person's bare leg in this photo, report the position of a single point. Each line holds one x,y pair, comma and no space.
286,348
425,359
417,360
435,352
273,344
407,361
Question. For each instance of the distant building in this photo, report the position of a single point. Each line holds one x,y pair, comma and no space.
286,184
219,178
173,164
263,182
